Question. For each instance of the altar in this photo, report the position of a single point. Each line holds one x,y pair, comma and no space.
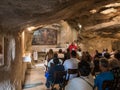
54,49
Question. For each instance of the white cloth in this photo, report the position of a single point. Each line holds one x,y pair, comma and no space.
80,84
35,55
103,53
71,64
79,53
51,61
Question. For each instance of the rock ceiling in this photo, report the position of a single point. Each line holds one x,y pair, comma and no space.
94,15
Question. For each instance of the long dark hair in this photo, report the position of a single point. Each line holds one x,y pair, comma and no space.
84,68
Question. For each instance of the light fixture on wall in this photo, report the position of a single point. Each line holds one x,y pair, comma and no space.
79,25
27,57
31,28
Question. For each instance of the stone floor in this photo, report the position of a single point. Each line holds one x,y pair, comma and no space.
35,79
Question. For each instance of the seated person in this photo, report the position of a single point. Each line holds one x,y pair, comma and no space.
79,53
51,61
67,54
49,55
104,75
107,55
96,68
71,63
60,54
50,73
115,69
85,81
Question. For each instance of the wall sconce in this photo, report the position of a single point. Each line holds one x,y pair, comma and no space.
26,59
79,25
31,28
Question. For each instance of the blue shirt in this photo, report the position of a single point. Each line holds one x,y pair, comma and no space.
101,77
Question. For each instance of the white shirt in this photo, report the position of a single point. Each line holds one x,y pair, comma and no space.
80,84
71,64
79,53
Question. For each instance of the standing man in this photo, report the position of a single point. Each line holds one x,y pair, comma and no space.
72,47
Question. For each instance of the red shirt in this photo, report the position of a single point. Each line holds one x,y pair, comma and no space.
72,47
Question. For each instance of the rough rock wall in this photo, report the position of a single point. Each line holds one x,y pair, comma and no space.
11,77
96,44
68,34
104,38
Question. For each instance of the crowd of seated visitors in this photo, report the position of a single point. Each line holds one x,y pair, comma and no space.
101,66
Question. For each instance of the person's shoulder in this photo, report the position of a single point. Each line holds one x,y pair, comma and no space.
77,60
104,74
74,79
67,60
99,76
110,73
51,60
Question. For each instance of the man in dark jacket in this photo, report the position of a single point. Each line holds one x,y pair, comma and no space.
50,74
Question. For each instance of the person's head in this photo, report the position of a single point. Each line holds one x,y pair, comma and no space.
79,49
68,50
113,49
83,56
103,64
103,50
84,68
96,51
50,51
56,61
107,55
86,56
73,54
106,50
72,43
60,50
117,55
55,55
113,63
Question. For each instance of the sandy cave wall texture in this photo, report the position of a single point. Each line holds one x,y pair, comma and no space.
13,71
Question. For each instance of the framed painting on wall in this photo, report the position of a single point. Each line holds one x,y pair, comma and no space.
1,51
44,36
